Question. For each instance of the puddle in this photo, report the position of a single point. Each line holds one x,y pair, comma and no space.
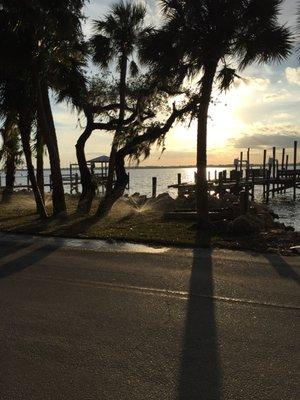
84,244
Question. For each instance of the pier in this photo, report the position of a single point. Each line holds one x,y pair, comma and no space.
273,176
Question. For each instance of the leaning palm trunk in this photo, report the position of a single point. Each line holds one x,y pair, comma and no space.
87,184
10,171
201,184
10,162
47,125
25,130
40,161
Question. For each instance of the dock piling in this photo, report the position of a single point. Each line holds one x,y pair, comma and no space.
154,186
295,166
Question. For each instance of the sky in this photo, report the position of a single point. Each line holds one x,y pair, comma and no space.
260,111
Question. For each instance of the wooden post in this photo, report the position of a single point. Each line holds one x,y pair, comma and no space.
209,175
268,184
178,179
154,186
286,170
295,167
128,183
274,169
248,163
220,185
282,166
241,161
76,182
215,174
264,173
282,160
178,183
28,182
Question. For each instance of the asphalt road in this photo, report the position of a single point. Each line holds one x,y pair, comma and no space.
84,320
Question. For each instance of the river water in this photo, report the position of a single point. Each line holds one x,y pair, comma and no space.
141,181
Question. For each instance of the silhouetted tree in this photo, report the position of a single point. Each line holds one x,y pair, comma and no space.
45,34
10,154
116,39
211,40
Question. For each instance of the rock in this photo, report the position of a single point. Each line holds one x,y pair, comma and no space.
245,225
183,203
162,202
228,200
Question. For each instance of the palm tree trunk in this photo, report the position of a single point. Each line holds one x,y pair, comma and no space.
114,147
10,162
47,125
201,184
40,161
25,130
10,171
88,186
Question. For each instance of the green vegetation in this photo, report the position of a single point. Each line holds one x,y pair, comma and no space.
124,223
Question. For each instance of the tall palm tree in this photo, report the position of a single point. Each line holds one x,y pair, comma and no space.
43,36
17,101
116,39
214,39
10,154
57,40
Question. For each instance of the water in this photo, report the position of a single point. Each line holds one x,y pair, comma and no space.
141,181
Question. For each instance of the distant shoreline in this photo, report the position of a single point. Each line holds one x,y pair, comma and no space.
164,167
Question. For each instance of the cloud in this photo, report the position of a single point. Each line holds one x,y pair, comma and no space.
293,75
283,116
263,136
282,94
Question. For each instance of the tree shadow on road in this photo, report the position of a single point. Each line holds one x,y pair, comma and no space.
23,261
282,267
200,377
9,248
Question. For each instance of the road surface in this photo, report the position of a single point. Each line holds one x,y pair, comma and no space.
87,320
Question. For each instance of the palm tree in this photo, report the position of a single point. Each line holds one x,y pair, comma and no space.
57,40
17,104
214,39
43,36
116,39
10,154
39,151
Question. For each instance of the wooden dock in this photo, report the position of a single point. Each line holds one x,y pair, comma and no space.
273,177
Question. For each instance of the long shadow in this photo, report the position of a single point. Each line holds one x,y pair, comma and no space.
25,260
77,225
9,248
200,377
282,267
